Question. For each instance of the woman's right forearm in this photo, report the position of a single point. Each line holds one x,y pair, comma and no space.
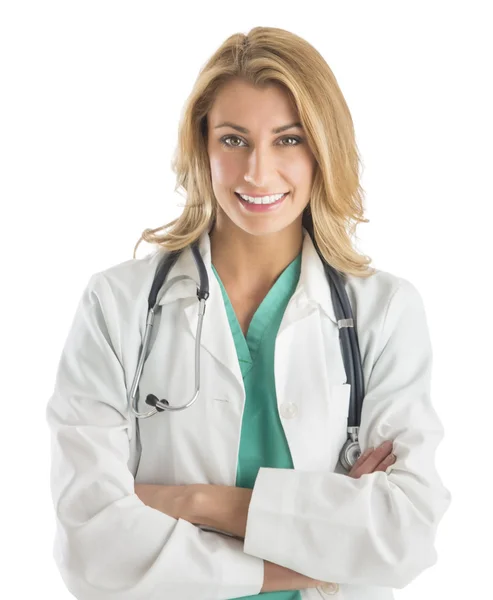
277,578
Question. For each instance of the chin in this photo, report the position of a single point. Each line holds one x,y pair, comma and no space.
264,228
257,225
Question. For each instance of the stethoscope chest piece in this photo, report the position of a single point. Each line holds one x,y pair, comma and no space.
349,454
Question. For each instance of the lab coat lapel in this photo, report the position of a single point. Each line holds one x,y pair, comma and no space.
216,338
313,289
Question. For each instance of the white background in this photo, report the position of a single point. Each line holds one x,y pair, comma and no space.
91,94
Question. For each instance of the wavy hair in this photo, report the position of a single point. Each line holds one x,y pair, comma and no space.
264,56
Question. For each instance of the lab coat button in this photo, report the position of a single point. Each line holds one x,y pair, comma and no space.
330,588
289,410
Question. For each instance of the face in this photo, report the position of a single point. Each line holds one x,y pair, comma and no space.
248,157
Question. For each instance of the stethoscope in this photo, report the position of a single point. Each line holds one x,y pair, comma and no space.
347,338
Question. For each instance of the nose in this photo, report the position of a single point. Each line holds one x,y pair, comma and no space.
260,168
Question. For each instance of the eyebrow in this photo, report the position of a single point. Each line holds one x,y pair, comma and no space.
245,130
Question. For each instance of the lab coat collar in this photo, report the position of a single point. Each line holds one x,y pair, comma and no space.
313,287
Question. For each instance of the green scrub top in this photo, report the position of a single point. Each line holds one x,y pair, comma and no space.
262,443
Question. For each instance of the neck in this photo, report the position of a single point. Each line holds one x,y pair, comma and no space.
251,264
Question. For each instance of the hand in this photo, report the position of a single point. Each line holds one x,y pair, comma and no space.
173,500
373,459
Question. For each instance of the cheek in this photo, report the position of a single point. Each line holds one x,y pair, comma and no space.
223,169
301,172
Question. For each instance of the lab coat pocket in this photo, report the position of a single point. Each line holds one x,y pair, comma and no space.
338,409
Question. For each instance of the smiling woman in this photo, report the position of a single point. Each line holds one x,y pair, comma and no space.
267,117
267,157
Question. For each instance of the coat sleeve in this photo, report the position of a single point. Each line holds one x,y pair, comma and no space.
108,544
379,529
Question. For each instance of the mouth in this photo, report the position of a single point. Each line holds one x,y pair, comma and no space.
252,207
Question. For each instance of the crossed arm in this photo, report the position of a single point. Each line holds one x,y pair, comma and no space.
226,507
220,506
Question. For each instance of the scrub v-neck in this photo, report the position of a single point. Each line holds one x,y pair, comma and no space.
274,303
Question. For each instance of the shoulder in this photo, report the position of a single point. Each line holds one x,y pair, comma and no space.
121,285
381,285
372,298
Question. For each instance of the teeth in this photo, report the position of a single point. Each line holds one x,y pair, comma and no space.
261,199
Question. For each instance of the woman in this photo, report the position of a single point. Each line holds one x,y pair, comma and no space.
142,504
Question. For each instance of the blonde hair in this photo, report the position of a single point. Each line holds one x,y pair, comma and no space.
264,56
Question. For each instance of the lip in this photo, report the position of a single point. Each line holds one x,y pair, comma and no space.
262,208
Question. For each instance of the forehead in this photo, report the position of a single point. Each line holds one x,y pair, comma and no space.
243,103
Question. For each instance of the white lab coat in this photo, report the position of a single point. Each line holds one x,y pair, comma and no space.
367,535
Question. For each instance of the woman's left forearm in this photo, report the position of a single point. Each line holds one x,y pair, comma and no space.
222,507
176,501
219,506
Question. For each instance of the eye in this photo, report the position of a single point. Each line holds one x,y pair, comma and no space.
297,139
224,140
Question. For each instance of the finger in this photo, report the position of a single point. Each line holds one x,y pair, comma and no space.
370,459
386,462
378,455
357,469
364,456
361,460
